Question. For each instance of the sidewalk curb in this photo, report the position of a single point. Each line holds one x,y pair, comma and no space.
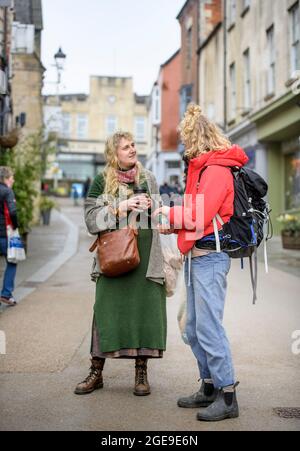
43,274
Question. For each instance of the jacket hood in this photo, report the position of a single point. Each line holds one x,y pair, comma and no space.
235,156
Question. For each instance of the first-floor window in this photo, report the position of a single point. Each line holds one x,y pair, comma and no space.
111,125
82,126
66,125
232,72
140,128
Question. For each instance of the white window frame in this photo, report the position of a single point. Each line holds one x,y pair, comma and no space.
271,76
156,102
111,124
295,37
247,79
232,10
82,126
140,128
233,93
246,4
66,125
189,47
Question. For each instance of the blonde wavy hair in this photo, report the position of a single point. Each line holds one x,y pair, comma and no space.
112,185
199,135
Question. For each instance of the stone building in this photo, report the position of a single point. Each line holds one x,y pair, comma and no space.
6,119
27,67
84,122
248,70
263,98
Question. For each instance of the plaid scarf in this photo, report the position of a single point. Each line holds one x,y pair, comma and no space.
127,176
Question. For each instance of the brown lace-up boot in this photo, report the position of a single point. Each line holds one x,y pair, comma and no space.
94,381
142,387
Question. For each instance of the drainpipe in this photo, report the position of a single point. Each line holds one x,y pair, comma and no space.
225,62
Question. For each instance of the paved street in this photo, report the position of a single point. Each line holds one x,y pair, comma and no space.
48,338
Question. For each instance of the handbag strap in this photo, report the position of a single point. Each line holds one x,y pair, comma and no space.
94,245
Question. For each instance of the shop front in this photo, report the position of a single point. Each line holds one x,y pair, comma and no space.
278,129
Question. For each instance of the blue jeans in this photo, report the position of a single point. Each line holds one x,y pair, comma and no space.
205,309
10,272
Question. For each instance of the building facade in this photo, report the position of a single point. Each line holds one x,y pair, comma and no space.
84,122
6,118
164,116
27,67
189,18
263,96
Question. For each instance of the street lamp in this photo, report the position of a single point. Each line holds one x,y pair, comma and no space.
60,59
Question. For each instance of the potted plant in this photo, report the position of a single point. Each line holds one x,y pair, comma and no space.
46,204
290,232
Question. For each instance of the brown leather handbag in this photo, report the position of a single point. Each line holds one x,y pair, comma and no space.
117,251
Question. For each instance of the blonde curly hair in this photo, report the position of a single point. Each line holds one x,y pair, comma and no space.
112,185
199,135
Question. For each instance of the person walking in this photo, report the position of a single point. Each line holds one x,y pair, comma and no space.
86,187
8,216
130,310
210,155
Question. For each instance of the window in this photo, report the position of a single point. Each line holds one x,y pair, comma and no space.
173,164
140,128
247,80
271,61
66,125
292,177
156,105
82,126
111,125
246,4
186,97
295,37
232,73
231,12
189,47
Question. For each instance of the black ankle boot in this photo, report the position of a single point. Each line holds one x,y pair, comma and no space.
224,407
203,398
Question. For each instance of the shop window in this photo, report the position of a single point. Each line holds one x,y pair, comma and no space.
292,181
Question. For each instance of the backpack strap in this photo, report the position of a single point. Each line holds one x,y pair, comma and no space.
253,272
216,231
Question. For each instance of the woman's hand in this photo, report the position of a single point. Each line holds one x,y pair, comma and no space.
136,203
165,211
161,215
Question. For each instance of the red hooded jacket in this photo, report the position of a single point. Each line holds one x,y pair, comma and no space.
194,219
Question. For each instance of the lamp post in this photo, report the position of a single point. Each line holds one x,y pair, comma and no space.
60,60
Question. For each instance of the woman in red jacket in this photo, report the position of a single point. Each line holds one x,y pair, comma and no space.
209,195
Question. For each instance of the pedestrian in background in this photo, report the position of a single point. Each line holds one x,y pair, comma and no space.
75,196
8,216
86,187
130,310
209,155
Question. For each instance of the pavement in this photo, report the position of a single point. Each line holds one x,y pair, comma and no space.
48,339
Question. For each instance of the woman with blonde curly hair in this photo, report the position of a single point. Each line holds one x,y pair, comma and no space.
209,195
130,310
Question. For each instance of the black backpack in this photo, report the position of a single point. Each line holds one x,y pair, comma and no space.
250,224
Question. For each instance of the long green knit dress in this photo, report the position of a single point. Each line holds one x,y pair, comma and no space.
130,310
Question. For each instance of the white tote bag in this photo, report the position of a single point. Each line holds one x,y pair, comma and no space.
172,262
15,246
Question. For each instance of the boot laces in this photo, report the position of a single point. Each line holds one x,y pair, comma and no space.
94,372
142,375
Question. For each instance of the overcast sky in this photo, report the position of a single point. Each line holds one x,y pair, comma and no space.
109,37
